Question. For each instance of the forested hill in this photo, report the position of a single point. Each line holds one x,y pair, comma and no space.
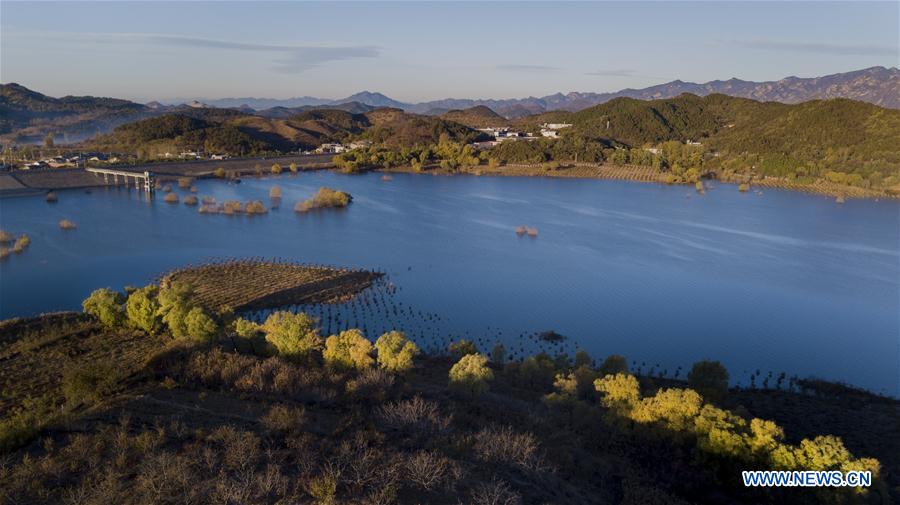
26,114
807,139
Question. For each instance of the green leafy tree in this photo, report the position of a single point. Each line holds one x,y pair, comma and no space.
620,391
462,347
174,304
614,364
395,352
294,336
471,375
537,372
200,326
710,379
106,306
498,354
582,358
142,309
349,349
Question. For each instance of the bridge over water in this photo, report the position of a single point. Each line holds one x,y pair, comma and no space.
142,180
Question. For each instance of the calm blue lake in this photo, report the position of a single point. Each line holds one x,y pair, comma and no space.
775,282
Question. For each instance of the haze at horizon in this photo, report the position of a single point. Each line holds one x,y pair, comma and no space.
422,51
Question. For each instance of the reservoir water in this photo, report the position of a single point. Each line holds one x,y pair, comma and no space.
775,282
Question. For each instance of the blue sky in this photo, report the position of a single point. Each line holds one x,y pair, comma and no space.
415,51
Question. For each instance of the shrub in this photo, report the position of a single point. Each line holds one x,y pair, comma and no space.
219,172
275,192
142,309
350,349
21,243
6,237
710,379
294,336
51,197
276,169
65,224
89,382
495,492
395,352
190,200
246,329
415,415
471,374
171,198
614,364
185,182
372,385
323,488
293,167
20,426
106,306
200,326
255,207
284,419
505,445
462,348
431,470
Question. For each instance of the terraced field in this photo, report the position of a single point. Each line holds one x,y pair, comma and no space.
250,284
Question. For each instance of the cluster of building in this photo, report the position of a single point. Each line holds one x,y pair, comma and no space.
505,133
195,155
337,148
69,161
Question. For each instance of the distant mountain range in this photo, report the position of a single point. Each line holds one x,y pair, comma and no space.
877,85
27,116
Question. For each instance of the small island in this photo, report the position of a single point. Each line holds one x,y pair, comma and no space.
326,198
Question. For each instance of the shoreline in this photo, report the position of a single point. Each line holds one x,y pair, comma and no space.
35,183
634,173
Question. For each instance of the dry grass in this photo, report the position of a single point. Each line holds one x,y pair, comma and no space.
65,224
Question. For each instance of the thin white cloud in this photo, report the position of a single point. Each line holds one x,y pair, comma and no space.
815,47
623,72
527,68
286,58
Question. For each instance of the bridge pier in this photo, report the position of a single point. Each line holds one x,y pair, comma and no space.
141,180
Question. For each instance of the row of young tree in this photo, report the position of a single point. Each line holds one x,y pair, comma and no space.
171,311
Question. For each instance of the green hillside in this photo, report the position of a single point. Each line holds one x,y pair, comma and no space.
820,138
